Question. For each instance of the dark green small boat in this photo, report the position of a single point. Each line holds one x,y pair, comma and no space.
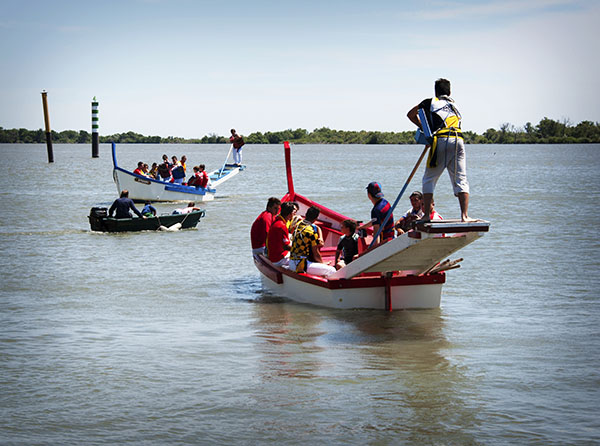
100,221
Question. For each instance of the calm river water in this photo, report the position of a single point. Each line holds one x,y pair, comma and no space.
168,338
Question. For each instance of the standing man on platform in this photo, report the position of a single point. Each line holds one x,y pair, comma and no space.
237,142
447,149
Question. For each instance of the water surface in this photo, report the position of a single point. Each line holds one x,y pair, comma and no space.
168,338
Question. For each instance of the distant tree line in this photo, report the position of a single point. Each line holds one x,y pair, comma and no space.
547,131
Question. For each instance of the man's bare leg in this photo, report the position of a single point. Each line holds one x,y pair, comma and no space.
463,200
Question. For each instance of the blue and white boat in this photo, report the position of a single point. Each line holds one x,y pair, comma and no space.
142,188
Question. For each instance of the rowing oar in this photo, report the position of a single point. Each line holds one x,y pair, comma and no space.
225,163
389,214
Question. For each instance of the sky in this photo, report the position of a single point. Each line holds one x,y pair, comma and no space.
190,68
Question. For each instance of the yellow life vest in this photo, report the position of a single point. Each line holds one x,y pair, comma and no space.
445,109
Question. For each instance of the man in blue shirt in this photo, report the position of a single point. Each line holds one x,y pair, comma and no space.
381,207
122,205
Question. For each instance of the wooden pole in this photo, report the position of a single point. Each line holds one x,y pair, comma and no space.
47,122
389,214
95,122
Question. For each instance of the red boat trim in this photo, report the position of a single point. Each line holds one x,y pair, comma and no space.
388,293
364,281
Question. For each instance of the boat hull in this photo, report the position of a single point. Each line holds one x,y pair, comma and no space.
142,188
109,224
146,189
368,292
401,274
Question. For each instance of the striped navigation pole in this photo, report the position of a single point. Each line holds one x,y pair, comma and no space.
94,128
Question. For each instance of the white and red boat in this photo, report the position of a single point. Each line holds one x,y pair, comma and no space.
148,189
404,273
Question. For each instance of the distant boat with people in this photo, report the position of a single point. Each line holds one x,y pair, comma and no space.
143,188
407,272
100,221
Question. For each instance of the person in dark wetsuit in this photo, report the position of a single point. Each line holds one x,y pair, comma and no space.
122,205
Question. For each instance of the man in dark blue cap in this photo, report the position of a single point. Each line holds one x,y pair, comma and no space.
381,207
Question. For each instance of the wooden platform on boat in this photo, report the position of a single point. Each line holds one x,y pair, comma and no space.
452,226
416,251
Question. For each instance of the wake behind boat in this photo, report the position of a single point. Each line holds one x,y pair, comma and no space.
404,273
142,188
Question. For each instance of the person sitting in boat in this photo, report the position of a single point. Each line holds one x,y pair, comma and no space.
405,223
305,255
148,210
381,207
200,177
237,142
122,205
262,224
293,222
183,163
347,247
154,171
140,169
191,207
278,238
164,169
434,214
177,174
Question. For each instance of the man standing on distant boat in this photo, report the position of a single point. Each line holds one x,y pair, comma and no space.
447,148
237,142
122,205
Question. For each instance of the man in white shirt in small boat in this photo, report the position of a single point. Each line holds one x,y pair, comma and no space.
191,207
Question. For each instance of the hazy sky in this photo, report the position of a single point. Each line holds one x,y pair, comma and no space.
190,68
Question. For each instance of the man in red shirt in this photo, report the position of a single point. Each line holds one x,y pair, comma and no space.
278,239
140,169
262,224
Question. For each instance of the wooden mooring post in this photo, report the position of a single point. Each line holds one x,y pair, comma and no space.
47,122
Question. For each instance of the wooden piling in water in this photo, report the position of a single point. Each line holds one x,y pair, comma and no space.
47,122
95,126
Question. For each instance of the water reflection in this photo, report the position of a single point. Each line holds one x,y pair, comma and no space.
289,339
398,367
